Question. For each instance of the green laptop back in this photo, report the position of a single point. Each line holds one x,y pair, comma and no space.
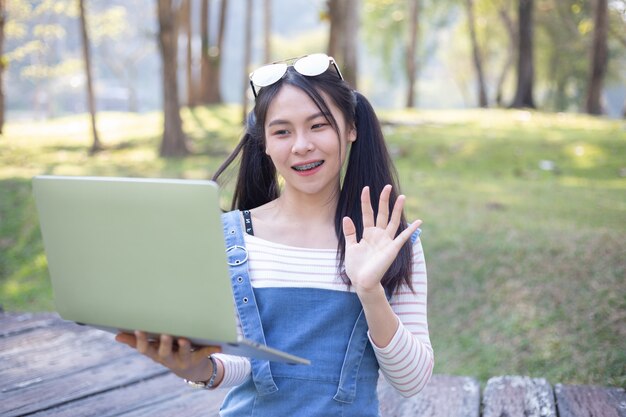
144,254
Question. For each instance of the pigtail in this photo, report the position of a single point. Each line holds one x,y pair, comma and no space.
256,180
370,165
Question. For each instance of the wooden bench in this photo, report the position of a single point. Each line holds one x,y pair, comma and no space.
49,367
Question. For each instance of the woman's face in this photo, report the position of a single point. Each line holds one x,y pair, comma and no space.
303,145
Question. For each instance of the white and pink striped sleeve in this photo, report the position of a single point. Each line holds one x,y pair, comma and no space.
236,368
407,361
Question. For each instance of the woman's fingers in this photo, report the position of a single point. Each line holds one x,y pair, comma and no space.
384,220
144,346
184,351
349,231
396,216
165,347
177,354
366,208
406,233
127,339
383,207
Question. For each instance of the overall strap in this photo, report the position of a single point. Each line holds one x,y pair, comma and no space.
346,392
415,235
244,298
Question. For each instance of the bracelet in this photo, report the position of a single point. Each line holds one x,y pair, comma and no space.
206,384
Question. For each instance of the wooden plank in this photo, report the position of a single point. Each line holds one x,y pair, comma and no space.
151,394
192,403
444,396
590,401
517,396
66,388
53,352
15,323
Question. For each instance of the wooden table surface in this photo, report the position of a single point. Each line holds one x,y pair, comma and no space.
50,367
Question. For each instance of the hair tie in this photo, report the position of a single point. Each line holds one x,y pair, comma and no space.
250,121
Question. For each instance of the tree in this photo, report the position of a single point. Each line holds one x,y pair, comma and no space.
343,36
564,29
174,141
508,24
120,40
476,54
247,57
211,56
267,26
399,35
96,145
185,13
599,58
411,52
2,62
525,64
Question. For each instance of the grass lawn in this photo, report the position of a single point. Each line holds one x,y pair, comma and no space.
524,225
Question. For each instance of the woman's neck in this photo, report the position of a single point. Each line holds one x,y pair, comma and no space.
298,220
313,209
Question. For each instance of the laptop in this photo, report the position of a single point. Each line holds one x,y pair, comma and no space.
130,254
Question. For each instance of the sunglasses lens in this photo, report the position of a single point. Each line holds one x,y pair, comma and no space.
312,65
268,74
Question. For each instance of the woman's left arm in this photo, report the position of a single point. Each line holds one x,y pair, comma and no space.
407,360
366,261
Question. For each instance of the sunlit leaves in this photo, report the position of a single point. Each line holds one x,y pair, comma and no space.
65,68
48,32
110,23
28,48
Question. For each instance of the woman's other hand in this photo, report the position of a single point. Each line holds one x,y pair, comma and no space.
179,357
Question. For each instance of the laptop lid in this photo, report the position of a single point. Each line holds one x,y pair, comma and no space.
145,254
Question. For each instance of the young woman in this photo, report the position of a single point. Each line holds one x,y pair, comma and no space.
335,274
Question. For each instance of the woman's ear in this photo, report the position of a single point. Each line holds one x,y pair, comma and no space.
352,134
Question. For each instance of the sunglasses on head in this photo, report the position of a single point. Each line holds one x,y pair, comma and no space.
308,65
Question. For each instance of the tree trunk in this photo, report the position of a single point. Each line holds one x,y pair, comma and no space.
510,58
343,36
2,66
211,56
96,146
186,15
216,58
525,65
247,57
267,25
174,141
205,67
476,55
411,53
599,58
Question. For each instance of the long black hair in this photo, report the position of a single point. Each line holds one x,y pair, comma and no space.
369,163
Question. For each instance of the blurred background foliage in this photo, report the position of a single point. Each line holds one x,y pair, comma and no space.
524,207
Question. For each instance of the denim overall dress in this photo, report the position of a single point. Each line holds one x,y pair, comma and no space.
327,327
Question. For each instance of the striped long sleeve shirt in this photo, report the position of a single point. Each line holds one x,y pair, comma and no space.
406,362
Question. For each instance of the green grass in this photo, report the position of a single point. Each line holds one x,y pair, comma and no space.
527,267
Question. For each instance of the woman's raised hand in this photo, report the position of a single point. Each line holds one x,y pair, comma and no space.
367,260
180,358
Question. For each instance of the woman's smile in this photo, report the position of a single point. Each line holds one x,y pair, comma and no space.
308,168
